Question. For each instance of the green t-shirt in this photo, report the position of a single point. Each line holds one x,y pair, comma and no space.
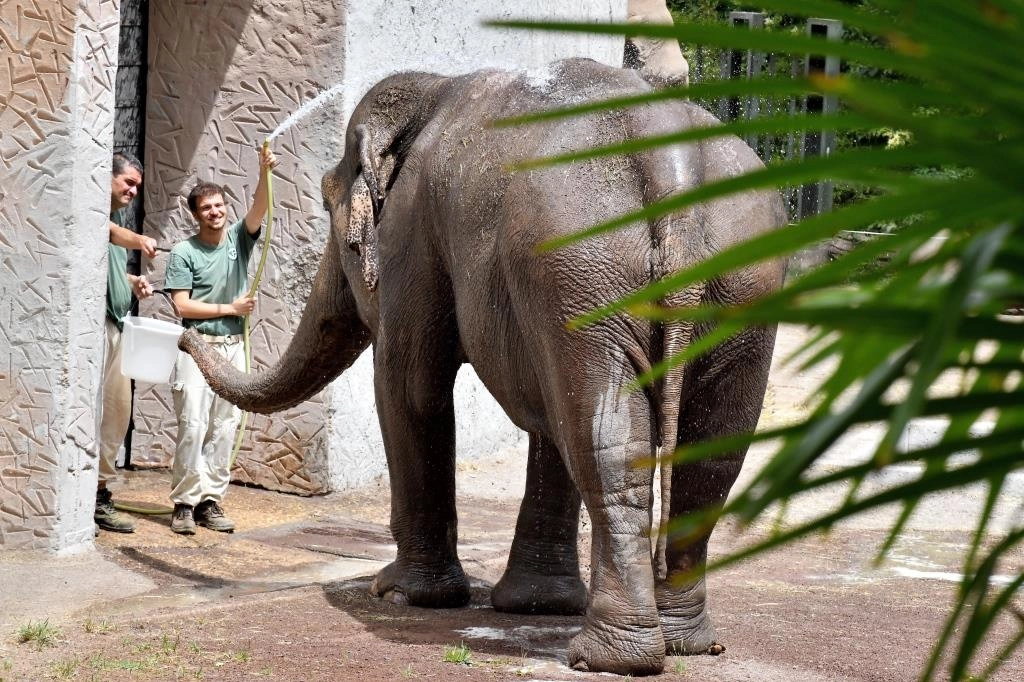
214,274
119,290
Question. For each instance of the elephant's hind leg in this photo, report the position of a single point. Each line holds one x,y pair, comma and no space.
722,393
608,436
543,571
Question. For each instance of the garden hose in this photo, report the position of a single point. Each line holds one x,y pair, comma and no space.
253,288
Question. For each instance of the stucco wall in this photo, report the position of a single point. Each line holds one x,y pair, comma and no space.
387,36
56,116
222,76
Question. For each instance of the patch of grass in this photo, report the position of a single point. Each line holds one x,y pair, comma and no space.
146,664
97,627
679,667
40,633
144,647
65,669
460,654
168,645
408,672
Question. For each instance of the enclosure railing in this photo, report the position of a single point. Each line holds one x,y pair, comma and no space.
710,64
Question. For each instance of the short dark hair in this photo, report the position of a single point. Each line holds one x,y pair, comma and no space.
122,161
202,189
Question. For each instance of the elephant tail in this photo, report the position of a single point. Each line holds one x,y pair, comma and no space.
675,338
669,253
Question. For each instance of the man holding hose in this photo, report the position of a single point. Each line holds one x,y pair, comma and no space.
207,276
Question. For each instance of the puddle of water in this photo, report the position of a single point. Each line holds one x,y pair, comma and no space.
946,576
850,578
525,636
483,633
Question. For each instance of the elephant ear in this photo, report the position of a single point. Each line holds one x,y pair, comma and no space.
366,201
376,168
362,231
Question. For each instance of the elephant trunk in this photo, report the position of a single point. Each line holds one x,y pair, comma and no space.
330,337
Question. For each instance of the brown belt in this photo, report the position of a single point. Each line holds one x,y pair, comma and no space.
230,338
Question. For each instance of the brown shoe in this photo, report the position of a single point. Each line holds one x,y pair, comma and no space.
182,522
108,518
210,515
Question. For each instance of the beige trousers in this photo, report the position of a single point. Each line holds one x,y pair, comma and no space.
206,430
116,407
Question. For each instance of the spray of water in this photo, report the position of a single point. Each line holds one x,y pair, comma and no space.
305,110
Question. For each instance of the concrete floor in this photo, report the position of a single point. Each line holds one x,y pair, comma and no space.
288,543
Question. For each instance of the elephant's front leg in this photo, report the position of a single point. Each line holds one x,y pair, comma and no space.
414,404
543,571
610,455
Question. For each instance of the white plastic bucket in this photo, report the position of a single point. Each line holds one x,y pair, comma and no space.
149,348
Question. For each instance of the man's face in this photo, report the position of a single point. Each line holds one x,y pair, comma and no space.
210,212
124,187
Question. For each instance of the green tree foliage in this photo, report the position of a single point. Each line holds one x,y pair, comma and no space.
943,76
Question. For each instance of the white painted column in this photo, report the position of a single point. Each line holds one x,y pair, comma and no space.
57,123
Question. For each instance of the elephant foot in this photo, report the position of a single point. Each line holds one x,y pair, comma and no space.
539,594
685,620
432,586
622,643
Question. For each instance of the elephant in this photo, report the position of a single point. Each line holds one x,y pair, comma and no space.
433,258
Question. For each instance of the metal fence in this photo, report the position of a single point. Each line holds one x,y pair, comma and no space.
712,64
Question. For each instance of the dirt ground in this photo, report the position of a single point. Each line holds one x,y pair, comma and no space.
285,597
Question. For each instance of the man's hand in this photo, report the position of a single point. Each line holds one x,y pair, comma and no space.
147,245
140,286
260,200
243,305
267,158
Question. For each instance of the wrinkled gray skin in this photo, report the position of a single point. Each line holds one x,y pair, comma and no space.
433,259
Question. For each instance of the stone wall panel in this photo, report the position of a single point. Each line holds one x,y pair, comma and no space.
56,104
222,76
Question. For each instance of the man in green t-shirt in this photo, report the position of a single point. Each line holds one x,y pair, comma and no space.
207,276
126,179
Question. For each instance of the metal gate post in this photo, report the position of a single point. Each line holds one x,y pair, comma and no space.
817,197
742,64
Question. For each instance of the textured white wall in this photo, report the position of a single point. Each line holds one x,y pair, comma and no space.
245,65
55,137
387,36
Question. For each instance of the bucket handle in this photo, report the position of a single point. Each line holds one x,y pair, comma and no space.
167,295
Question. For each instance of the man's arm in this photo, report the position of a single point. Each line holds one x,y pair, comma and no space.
200,310
260,201
122,236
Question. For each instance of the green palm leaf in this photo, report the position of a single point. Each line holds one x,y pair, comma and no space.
888,318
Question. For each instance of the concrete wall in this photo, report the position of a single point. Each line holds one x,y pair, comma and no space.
223,76
56,116
387,36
